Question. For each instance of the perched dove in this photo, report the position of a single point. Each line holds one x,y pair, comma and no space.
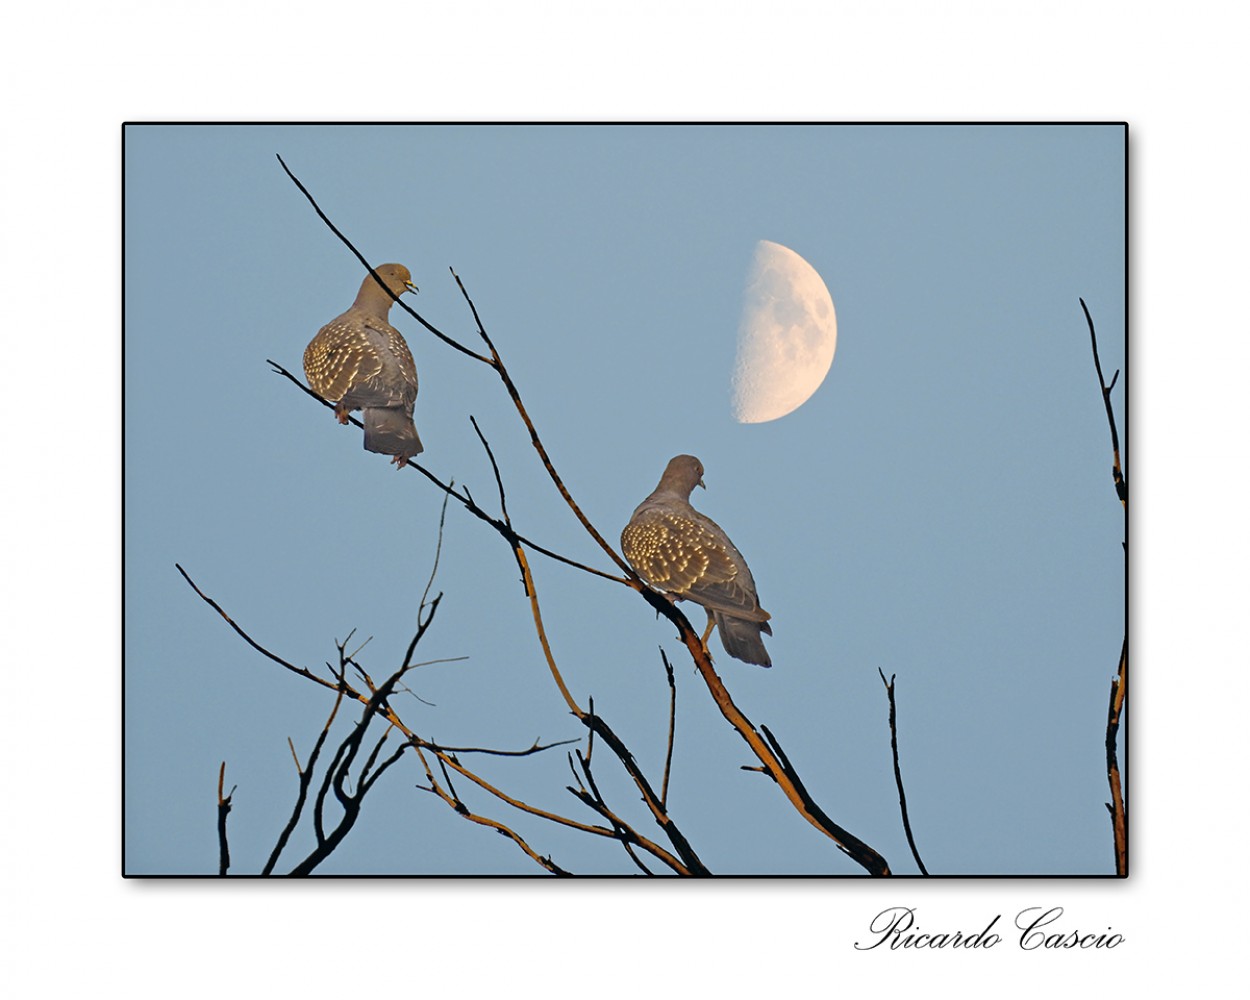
677,550
360,362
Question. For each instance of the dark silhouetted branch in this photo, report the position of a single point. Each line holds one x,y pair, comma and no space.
337,775
1117,475
305,779
223,810
536,748
898,774
249,640
672,727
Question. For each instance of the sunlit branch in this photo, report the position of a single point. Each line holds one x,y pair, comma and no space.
769,753
1117,806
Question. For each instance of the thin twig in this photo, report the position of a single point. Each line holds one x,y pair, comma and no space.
672,726
438,552
536,748
510,535
898,774
366,770
1117,476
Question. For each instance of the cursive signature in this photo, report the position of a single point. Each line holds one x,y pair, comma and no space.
896,928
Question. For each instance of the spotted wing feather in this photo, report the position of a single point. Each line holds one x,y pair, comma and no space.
691,557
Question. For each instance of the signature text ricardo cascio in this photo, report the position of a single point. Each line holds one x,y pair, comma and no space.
1036,928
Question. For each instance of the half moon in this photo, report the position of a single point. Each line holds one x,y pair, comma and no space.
786,337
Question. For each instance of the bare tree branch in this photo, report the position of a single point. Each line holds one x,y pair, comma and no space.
252,642
1117,476
672,727
536,748
1119,686
1117,807
898,774
223,810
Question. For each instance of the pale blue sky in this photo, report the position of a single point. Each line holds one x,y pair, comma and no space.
941,508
